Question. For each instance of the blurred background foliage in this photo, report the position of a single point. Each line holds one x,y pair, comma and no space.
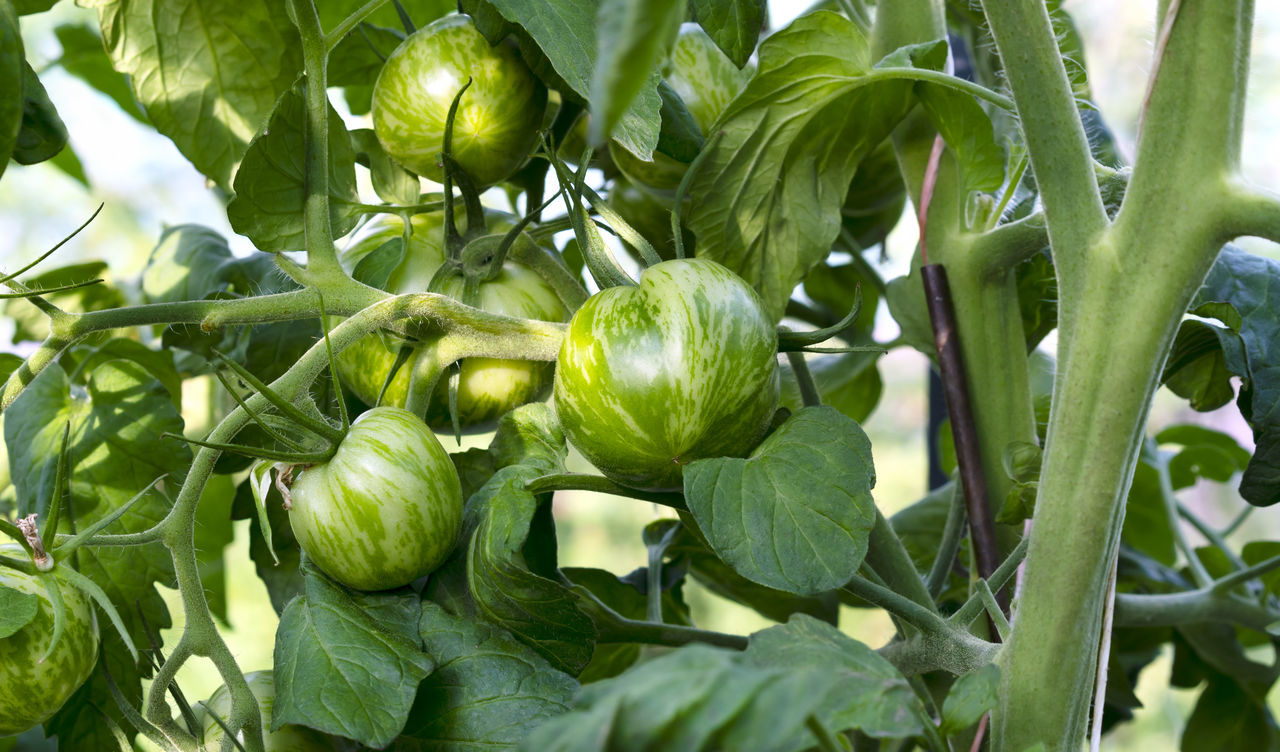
147,185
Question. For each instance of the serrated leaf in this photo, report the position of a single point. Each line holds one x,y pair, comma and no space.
1241,290
797,513
734,25
565,30
971,697
633,38
270,185
17,609
84,57
968,131
541,612
340,671
206,72
488,690
766,201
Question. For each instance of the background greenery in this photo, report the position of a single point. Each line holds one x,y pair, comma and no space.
145,184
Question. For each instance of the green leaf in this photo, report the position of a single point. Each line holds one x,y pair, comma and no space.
969,134
275,552
1241,290
17,609
1228,719
84,57
206,72
633,37
869,694
31,324
971,697
1197,367
270,185
1205,453
565,31
530,435
1146,522
12,67
341,671
1255,552
766,202
1037,297
358,58
734,25
796,514
27,7
158,363
43,133
1021,462
849,382
488,689
186,264
378,266
540,611
391,182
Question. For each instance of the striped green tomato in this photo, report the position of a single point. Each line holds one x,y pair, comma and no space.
681,367
497,122
487,387
288,738
385,510
706,81
31,691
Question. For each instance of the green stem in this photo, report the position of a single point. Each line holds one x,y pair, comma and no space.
1056,141
941,79
809,393
1213,536
348,24
904,608
1248,573
601,484
1001,249
322,258
1198,572
670,635
889,559
949,545
1191,607
1252,211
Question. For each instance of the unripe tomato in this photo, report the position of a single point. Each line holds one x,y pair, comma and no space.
707,81
497,122
385,510
288,738
681,367
487,387
31,691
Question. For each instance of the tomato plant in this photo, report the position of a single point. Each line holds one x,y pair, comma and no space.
498,117
34,680
682,367
487,387
385,510
723,385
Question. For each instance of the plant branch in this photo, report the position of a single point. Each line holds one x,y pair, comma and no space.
948,545
889,559
1252,211
903,608
1056,140
348,24
601,484
1005,246
322,258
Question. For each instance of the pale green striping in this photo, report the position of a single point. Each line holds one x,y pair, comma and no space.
30,696
497,121
488,388
683,366
386,509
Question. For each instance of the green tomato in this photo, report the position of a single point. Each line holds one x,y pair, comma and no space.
683,366
487,387
497,122
706,81
288,738
385,510
30,691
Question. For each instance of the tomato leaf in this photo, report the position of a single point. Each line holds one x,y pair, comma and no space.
1228,718
270,185
340,670
633,38
969,134
391,182
796,514
627,596
43,133
972,695
530,435
12,65
565,30
734,25
540,611
488,689
17,609
84,57
1241,290
766,202
207,72
869,695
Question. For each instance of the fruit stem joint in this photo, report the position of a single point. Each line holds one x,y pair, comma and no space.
39,557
